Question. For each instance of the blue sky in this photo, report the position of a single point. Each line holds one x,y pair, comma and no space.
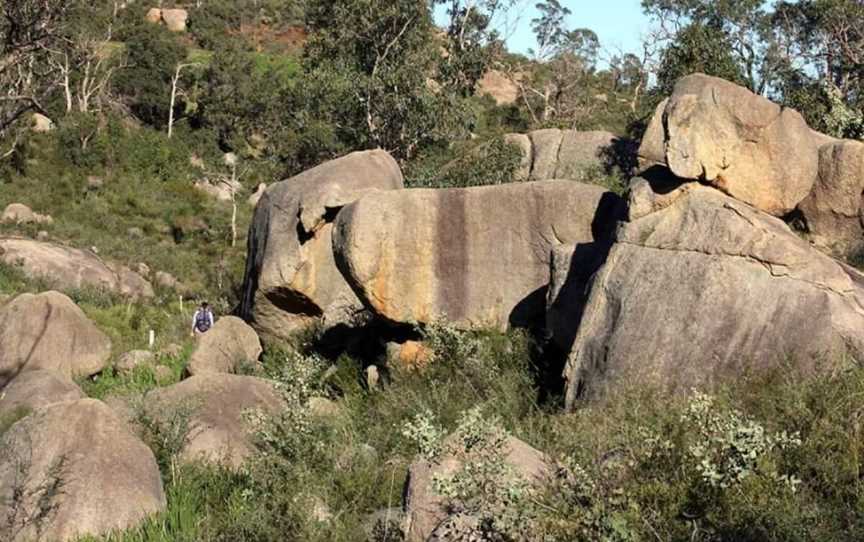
619,24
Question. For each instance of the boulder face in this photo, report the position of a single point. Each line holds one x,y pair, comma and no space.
175,19
70,268
833,210
48,331
563,154
704,289
291,277
478,257
652,151
216,405
226,348
741,143
35,389
73,469
426,510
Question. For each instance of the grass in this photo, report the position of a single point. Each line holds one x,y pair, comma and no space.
632,472
138,381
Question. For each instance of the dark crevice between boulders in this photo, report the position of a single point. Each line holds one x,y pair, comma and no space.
571,299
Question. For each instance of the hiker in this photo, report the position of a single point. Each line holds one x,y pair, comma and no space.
202,321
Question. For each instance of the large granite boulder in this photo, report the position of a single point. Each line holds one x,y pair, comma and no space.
563,154
70,268
833,210
427,512
49,331
215,406
35,389
74,469
291,278
741,143
229,346
478,257
705,288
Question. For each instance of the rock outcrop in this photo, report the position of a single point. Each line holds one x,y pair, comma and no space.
35,389
292,280
71,268
700,288
48,331
216,405
18,213
221,191
563,154
743,144
833,210
426,510
499,86
229,346
478,257
73,469
174,20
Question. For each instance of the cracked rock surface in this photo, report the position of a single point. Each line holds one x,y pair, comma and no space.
706,288
477,256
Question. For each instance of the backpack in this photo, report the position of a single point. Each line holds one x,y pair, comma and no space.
202,320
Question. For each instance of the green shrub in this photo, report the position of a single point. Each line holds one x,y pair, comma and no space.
492,162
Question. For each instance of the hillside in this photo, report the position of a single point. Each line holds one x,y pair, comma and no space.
459,293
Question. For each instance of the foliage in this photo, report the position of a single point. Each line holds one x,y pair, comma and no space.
387,52
153,54
698,48
492,162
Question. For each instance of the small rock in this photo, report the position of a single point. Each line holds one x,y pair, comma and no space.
230,159
130,360
228,345
135,233
94,182
408,355
153,16
42,235
372,377
196,161
18,213
167,280
41,124
175,19
143,269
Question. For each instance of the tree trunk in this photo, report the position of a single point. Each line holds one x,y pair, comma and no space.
174,81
